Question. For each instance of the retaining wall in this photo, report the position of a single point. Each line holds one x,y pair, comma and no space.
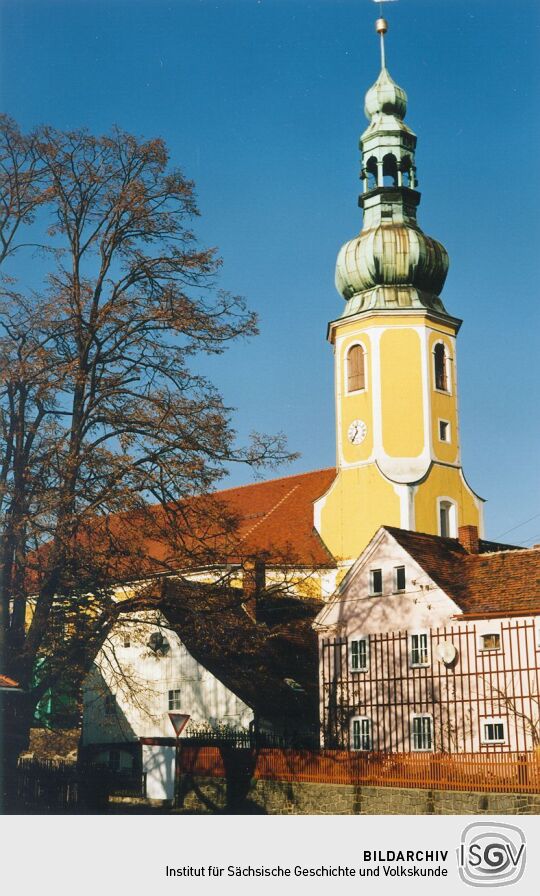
263,797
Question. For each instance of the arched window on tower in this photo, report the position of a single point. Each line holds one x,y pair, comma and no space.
390,170
441,365
356,375
372,173
447,518
405,168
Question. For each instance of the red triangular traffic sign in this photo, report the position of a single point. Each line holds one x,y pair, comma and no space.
179,721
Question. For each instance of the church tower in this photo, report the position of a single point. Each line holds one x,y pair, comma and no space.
397,424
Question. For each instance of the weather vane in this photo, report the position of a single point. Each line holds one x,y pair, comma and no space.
381,27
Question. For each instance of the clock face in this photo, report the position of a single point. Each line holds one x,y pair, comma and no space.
357,432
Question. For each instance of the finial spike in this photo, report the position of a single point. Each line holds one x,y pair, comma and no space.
381,27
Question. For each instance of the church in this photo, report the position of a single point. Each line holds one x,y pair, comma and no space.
398,452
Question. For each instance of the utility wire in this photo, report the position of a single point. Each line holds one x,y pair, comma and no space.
519,525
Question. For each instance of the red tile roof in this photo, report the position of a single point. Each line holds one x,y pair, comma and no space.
272,518
502,581
276,516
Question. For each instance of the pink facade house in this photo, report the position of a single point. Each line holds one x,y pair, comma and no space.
432,644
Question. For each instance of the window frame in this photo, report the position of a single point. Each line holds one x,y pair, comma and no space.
489,634
110,705
397,589
446,503
422,715
359,639
357,344
372,592
369,735
493,720
419,633
447,390
174,703
447,430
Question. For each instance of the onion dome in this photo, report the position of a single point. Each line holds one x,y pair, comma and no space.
389,265
385,97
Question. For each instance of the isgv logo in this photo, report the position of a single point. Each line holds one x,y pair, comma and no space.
491,854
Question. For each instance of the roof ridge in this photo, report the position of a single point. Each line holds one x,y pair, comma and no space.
232,488
516,550
269,512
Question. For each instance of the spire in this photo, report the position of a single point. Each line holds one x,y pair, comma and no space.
381,27
392,263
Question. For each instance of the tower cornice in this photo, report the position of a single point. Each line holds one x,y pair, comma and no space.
380,315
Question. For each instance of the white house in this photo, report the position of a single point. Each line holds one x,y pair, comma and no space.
433,644
206,654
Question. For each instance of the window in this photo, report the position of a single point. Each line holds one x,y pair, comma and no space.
419,649
493,731
447,518
114,760
361,733
174,699
444,431
110,704
375,581
126,641
399,578
440,360
359,655
422,732
356,378
491,641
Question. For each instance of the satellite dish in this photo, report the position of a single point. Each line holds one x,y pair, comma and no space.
446,652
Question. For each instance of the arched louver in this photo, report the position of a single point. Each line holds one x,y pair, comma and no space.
356,377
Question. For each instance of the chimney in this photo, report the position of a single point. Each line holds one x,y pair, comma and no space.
468,537
254,583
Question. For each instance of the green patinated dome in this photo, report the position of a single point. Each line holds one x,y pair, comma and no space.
391,255
386,97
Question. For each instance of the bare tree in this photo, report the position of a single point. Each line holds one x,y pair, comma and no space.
101,413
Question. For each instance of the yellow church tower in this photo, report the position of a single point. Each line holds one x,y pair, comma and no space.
397,424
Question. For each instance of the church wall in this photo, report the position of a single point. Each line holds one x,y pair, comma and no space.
446,482
360,500
402,409
444,406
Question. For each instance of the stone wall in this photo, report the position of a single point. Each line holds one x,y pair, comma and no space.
260,797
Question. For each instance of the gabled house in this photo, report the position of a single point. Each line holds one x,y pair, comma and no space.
228,659
433,644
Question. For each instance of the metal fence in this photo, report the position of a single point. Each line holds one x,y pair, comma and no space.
461,696
502,773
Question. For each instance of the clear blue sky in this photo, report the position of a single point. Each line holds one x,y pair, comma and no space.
261,103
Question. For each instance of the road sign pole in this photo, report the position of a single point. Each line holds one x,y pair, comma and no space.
179,721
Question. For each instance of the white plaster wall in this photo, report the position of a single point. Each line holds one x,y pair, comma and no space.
139,681
422,605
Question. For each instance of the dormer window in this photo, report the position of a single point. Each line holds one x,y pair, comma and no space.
356,374
441,364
